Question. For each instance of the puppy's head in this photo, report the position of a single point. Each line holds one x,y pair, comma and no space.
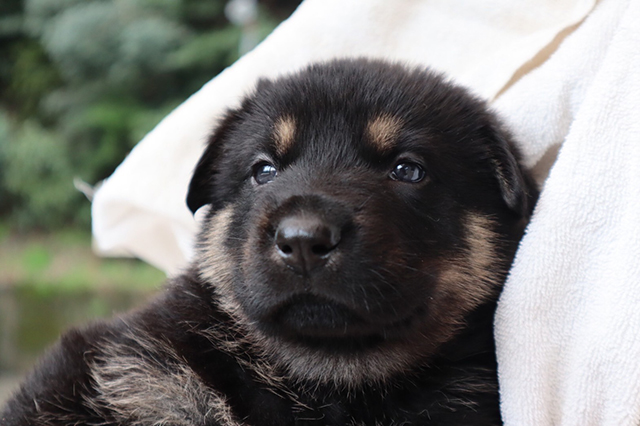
359,211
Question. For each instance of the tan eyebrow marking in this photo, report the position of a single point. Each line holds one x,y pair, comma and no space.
383,131
284,131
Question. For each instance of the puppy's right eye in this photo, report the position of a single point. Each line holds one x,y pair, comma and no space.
264,173
408,172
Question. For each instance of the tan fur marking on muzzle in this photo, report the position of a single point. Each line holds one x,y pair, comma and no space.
284,131
383,131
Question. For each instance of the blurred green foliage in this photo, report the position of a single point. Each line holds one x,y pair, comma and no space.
81,81
62,262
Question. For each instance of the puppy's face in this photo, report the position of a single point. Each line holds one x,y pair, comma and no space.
359,212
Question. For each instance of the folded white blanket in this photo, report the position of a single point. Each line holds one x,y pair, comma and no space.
568,323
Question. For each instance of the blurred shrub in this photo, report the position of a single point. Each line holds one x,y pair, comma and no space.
81,81
38,176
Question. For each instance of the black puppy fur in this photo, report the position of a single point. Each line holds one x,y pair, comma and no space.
362,218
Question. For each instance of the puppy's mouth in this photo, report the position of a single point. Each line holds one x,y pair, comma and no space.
313,316
320,321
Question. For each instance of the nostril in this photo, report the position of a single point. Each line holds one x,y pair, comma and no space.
286,249
321,249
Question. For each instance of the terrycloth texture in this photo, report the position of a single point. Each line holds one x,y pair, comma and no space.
568,322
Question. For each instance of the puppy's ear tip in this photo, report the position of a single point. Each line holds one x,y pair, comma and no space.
519,191
517,187
193,204
197,195
200,192
517,201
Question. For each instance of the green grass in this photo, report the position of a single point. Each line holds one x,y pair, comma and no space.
64,260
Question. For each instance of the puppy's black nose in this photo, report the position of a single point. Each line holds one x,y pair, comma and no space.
306,242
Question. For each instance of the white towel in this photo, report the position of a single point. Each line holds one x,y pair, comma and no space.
568,323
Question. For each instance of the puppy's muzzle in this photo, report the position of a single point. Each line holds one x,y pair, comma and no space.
305,242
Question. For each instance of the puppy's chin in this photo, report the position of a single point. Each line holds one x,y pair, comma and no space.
311,316
325,325
327,343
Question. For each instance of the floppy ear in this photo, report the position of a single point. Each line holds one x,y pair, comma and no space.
518,189
201,186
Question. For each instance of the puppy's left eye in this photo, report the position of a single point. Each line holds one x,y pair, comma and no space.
264,173
408,172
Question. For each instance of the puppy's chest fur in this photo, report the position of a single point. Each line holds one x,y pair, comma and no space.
203,370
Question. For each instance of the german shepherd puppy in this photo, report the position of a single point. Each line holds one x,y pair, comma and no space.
361,219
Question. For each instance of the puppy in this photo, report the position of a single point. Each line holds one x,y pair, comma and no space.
361,219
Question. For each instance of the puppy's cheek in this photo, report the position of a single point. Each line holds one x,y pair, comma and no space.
214,261
259,268
397,279
258,247
472,277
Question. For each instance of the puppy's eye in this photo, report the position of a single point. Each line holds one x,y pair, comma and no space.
264,173
408,172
